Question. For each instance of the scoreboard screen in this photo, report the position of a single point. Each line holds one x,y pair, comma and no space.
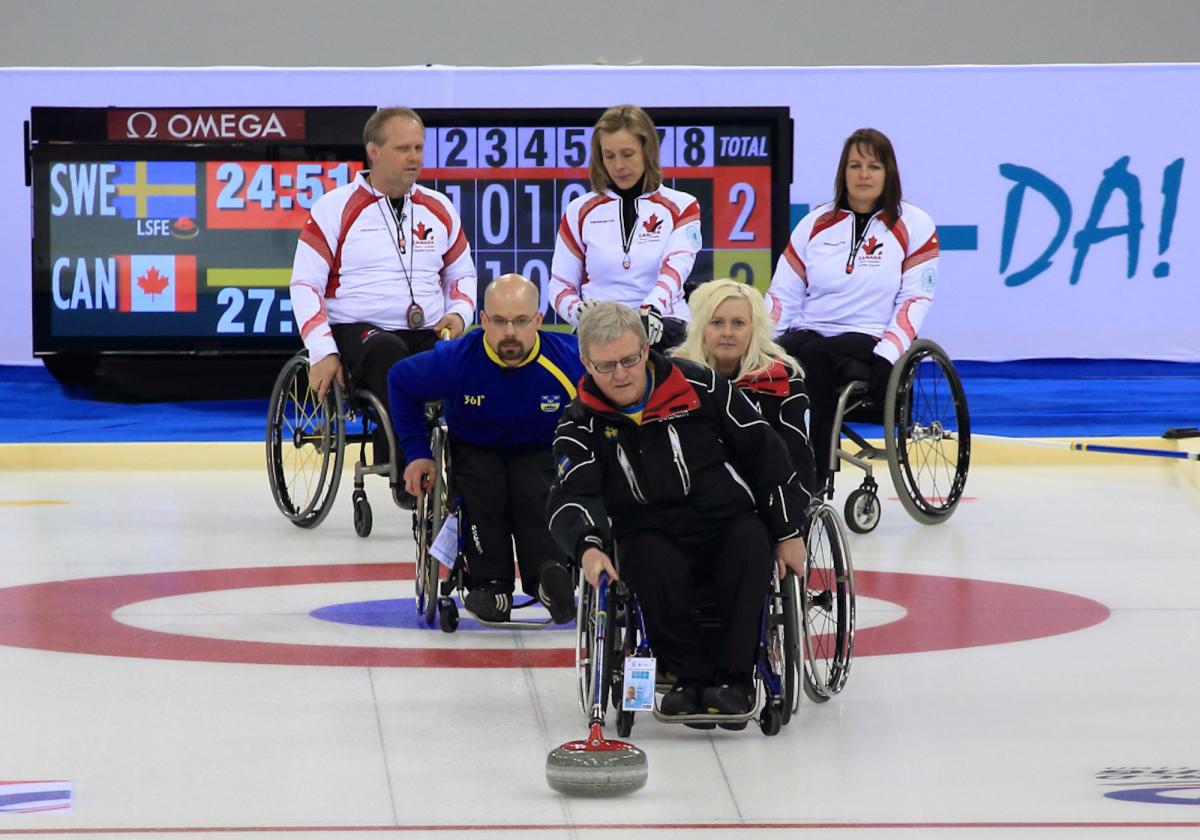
173,230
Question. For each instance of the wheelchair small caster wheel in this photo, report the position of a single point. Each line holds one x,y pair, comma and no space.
862,511
624,723
771,719
447,615
362,514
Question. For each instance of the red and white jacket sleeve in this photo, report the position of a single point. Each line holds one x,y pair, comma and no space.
310,276
678,259
785,297
567,268
459,280
918,277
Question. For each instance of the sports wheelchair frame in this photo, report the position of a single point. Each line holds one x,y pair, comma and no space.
926,434
306,443
807,637
435,603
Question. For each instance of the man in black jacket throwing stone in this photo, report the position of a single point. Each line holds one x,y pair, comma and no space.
695,484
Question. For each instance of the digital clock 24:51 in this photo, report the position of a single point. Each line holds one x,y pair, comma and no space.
269,194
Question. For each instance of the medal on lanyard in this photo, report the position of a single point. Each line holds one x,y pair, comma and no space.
416,316
626,237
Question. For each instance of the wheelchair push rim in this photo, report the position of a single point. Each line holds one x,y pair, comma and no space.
306,441
428,518
827,607
783,643
587,626
927,431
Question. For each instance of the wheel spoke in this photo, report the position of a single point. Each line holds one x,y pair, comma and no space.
932,436
305,449
827,608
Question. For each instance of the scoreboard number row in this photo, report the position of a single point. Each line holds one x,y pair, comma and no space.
506,147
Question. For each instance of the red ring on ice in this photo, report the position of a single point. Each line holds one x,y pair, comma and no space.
76,616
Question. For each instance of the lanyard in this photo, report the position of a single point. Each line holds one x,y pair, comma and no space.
627,236
857,241
400,242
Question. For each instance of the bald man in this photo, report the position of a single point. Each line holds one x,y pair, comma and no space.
503,390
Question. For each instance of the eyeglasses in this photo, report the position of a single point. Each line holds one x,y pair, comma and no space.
630,361
520,322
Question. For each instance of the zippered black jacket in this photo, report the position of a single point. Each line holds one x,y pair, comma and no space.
701,455
781,398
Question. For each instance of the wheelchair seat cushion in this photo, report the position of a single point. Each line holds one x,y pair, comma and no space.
854,370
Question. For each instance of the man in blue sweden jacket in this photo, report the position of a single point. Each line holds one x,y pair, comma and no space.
503,389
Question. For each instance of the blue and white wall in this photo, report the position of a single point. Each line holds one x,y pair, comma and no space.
1067,195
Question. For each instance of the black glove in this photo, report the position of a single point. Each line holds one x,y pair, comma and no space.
881,370
584,305
652,322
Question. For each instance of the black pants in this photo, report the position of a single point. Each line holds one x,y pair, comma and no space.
824,361
368,353
662,570
504,501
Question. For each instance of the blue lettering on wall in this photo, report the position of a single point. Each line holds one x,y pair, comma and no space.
1172,176
1026,178
1116,178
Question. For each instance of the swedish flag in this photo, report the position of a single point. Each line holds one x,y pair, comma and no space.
155,189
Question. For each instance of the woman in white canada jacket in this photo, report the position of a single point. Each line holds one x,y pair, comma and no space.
630,239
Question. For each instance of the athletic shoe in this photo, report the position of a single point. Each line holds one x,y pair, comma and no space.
556,590
683,699
731,697
487,605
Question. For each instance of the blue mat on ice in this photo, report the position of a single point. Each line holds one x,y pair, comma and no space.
1036,398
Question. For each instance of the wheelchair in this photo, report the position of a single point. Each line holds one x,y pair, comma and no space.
435,601
926,433
806,637
306,445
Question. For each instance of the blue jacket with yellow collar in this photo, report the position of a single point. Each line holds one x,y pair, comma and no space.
486,403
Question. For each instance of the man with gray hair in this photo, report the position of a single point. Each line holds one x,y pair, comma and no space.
665,462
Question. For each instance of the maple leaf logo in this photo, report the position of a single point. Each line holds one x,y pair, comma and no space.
872,246
652,224
422,232
153,283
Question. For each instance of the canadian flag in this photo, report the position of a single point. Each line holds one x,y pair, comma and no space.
156,283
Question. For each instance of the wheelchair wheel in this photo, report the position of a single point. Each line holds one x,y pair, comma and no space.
783,642
827,607
587,618
447,615
585,644
306,442
362,514
770,720
430,515
862,511
927,430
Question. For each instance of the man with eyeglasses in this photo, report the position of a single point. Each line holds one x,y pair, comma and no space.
666,462
503,390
